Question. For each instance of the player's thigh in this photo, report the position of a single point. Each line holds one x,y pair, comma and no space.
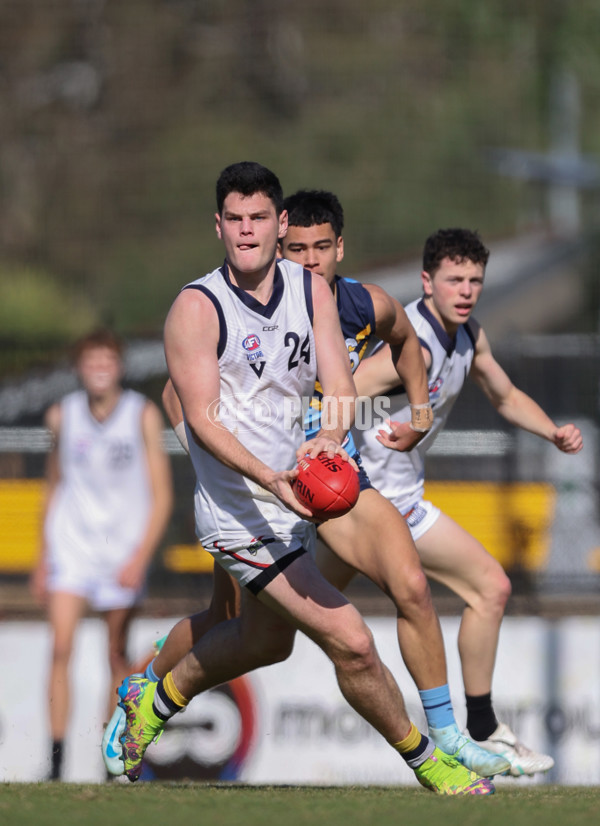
452,556
302,598
374,539
262,624
333,568
65,609
226,599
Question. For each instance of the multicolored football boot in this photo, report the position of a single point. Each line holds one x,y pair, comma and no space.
142,724
442,774
112,749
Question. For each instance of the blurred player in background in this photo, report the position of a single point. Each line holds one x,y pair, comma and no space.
372,538
454,347
108,502
262,328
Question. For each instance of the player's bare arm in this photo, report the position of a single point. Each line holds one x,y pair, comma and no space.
377,375
335,375
394,327
187,352
513,404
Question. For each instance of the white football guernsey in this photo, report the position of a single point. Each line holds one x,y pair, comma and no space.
267,365
101,506
400,476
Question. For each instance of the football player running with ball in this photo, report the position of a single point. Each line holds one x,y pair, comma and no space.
372,538
246,513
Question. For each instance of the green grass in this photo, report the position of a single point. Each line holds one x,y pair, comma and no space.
159,804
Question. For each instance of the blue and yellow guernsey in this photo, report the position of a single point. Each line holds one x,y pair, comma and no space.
357,319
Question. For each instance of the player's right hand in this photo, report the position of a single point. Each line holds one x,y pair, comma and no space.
281,486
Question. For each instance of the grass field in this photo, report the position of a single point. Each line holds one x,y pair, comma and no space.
159,804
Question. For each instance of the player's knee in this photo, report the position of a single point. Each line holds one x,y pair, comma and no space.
502,589
413,593
61,652
353,650
495,592
361,656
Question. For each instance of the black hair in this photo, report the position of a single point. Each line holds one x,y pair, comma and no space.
456,244
311,207
248,178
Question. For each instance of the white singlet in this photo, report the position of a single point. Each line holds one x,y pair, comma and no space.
267,365
101,506
400,477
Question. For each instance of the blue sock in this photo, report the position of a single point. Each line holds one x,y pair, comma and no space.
438,707
149,673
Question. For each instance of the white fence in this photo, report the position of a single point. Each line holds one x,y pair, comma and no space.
289,723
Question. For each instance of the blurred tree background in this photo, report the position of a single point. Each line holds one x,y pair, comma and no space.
116,118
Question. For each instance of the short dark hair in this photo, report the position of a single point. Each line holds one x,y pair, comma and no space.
311,207
248,178
456,244
97,338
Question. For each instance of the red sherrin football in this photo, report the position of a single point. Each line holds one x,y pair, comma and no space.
327,487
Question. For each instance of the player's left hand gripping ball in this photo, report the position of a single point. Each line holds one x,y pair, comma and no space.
327,486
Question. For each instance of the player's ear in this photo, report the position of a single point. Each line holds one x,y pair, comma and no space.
427,282
339,252
218,225
283,224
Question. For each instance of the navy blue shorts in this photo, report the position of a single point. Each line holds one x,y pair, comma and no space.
365,482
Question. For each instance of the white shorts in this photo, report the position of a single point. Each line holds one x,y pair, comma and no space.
420,517
101,590
257,562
